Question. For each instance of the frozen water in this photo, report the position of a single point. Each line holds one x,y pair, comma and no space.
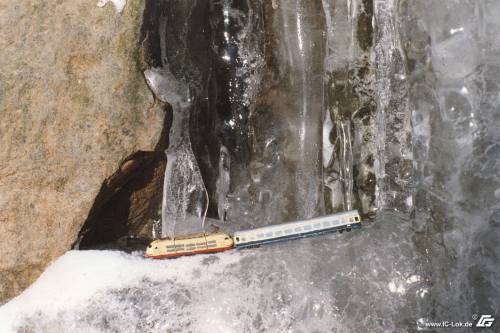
313,285
260,151
298,31
178,82
449,59
395,158
237,41
455,138
272,114
438,143
185,200
345,161
350,99
166,87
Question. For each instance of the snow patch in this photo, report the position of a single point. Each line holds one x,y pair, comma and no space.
119,4
78,276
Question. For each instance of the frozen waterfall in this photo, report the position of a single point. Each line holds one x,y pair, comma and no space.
391,106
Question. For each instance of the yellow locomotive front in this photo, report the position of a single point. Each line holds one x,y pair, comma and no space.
189,245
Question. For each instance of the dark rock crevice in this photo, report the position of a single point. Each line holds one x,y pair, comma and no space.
129,201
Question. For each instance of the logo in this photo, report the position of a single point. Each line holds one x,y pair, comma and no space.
485,321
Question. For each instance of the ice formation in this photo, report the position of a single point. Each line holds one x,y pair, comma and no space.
395,157
350,103
301,47
315,285
263,160
434,143
237,38
185,200
178,81
454,82
281,179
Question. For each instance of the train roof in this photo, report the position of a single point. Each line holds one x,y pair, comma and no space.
195,235
293,223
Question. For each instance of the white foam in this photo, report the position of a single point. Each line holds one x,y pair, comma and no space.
119,4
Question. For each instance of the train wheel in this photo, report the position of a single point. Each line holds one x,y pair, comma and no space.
341,231
348,229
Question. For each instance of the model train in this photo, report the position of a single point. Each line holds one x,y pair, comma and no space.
220,241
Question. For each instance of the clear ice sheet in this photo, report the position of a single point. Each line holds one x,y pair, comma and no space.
454,85
280,178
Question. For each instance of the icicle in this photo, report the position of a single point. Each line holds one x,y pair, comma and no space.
300,26
344,135
223,183
185,199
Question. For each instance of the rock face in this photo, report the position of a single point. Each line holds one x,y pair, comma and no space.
73,106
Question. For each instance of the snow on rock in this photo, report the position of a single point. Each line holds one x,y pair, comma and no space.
80,276
119,4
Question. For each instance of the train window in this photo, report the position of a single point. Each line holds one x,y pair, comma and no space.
357,218
226,238
307,227
288,231
269,234
351,220
317,225
260,235
278,233
326,224
298,229
237,239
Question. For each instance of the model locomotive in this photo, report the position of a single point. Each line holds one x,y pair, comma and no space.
220,241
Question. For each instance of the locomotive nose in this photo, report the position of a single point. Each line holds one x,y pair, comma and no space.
149,251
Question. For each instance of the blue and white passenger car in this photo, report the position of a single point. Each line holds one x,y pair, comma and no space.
298,229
